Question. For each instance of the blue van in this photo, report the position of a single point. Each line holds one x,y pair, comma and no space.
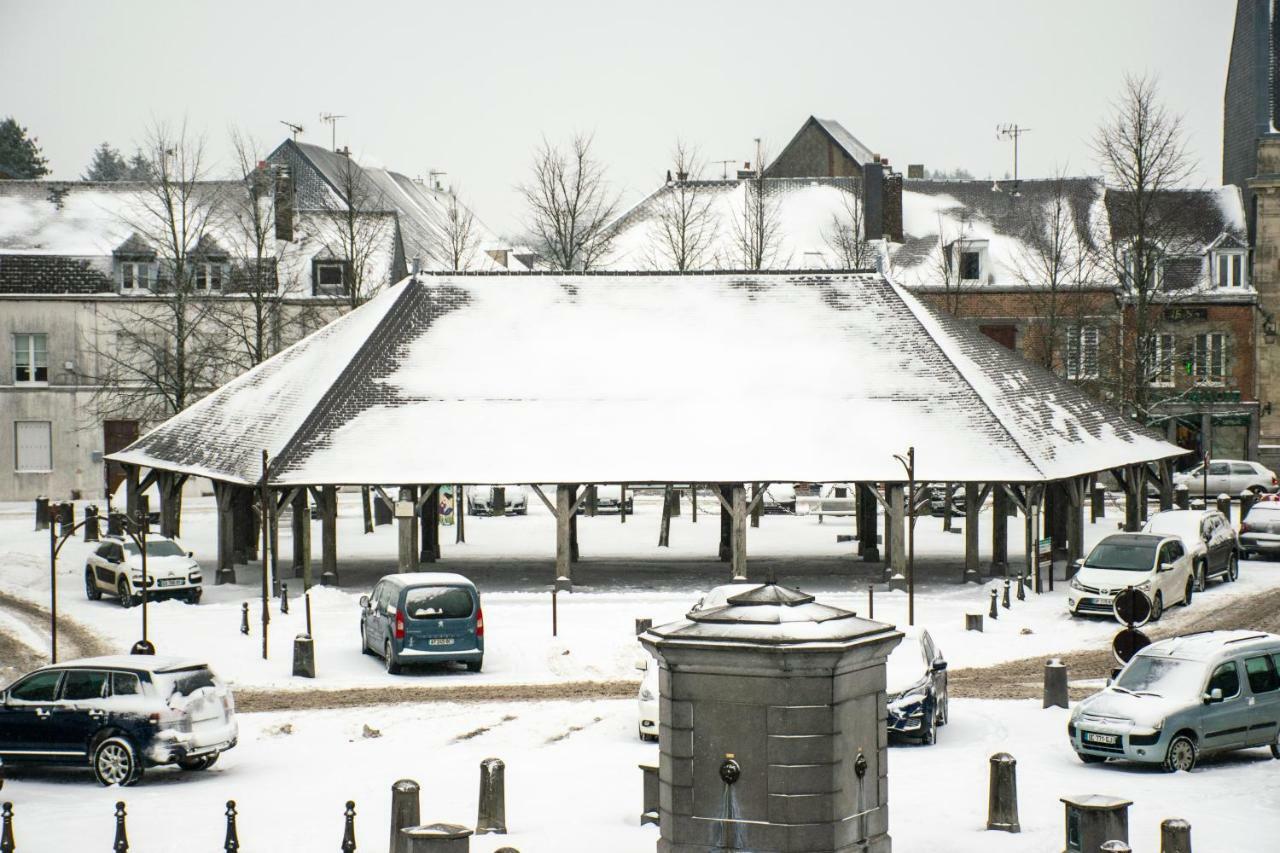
423,617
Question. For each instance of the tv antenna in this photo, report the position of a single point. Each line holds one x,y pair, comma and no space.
333,127
1012,131
295,128
724,167
431,178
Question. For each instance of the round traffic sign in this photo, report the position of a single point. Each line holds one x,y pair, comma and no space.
1131,607
1128,643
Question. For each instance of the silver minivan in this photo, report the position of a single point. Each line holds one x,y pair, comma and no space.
1183,698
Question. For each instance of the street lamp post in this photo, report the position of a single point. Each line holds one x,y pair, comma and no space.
909,463
136,529
56,541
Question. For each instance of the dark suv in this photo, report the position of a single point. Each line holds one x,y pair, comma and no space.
118,715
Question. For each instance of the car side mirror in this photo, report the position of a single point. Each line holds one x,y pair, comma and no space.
939,666
1214,695
1080,562
1166,567
364,601
191,554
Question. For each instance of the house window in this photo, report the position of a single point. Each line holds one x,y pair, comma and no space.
1082,352
1230,270
1209,358
33,449
331,278
970,266
135,275
1153,270
1160,358
208,276
30,359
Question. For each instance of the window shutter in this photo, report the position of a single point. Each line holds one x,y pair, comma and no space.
33,447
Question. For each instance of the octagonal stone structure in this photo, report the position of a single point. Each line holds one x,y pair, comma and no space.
784,696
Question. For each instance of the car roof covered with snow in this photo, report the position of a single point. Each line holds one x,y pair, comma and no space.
404,579
1207,645
140,663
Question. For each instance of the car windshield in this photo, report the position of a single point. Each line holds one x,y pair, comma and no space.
183,682
437,602
1167,677
156,548
1126,556
1184,525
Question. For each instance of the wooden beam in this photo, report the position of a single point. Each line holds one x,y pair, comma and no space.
425,496
537,490
758,497
738,530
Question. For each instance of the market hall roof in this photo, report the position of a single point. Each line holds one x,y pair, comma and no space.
725,377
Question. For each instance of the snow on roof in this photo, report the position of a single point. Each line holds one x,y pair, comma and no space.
505,379
855,149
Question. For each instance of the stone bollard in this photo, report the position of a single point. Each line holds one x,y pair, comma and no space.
1224,505
1247,500
244,618
651,799
437,838
1092,819
1182,496
115,524
6,828
643,625
1055,684
42,513
897,582
973,622
1002,796
304,656
1115,847
349,828
121,844
492,814
66,518
506,850
91,530
404,813
1175,836
994,613
231,842
1004,599
1098,502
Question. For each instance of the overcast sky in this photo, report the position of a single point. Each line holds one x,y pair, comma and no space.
471,87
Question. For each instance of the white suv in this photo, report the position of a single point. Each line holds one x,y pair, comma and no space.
1228,477
115,568
1155,564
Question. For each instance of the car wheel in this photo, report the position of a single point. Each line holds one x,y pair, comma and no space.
1181,755
928,730
193,596
1275,748
1257,490
1201,577
115,762
475,665
1233,568
1187,593
1091,759
1157,607
389,658
91,585
200,762
122,590
943,710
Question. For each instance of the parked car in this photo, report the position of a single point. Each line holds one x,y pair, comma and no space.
1157,564
115,568
609,499
480,500
1228,477
647,699
423,617
1260,530
1210,541
916,687
778,498
938,499
1181,699
118,715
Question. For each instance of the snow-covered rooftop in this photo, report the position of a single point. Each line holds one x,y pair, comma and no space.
587,379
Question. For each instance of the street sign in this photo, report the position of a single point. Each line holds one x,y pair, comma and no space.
1128,643
1131,607
1044,547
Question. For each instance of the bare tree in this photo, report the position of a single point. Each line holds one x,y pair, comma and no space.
682,216
158,353
758,229
355,228
949,266
1143,154
845,235
571,206
459,235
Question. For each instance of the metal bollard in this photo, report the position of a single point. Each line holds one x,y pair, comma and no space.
91,531
6,828
1247,500
1004,599
994,614
349,828
121,844
492,815
1022,587
42,513
1175,836
973,622
232,842
304,656
651,797
1224,505
1055,684
404,813
284,598
1002,795
871,601
438,838
244,617
1115,847
1182,496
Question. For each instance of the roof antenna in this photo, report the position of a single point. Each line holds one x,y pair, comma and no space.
333,127
1012,131
296,128
724,168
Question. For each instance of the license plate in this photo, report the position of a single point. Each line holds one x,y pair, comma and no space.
1093,737
171,582
440,641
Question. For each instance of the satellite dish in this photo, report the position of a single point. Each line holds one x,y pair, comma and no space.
1132,608
1128,643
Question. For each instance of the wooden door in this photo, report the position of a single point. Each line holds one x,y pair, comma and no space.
117,435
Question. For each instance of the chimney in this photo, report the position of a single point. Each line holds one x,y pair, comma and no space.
746,172
416,267
284,204
892,206
915,171
873,200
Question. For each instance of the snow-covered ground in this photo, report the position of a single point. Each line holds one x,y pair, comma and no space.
623,576
573,785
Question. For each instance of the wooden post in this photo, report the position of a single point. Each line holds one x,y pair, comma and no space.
1166,484
738,529
564,537
1029,534
459,513
622,503
971,508
755,505
675,502
329,535
693,501
273,515
407,559
999,530
302,538
366,509
223,497
131,490
573,524
1075,518
895,522
869,532
429,515
726,524
948,496
1132,495
664,528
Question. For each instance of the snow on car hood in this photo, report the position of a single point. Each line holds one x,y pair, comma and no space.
176,565
1146,710
905,667
1112,578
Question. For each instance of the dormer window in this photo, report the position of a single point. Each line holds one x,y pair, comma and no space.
135,276
1229,270
1153,268
208,276
969,260
330,278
